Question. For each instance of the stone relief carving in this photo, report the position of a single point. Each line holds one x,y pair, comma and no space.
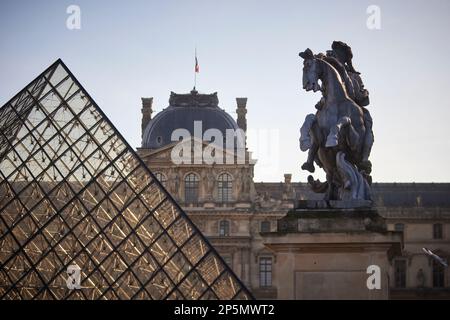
208,179
420,278
173,181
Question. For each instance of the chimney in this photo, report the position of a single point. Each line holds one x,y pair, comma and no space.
287,178
146,113
288,190
241,113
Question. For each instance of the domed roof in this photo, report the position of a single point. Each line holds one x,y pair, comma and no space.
183,110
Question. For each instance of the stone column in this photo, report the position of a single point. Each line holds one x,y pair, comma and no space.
247,267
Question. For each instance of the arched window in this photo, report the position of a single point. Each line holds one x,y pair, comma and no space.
161,178
191,182
225,188
224,228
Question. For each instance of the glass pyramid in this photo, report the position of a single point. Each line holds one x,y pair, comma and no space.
74,194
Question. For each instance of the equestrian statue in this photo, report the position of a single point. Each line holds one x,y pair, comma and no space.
338,137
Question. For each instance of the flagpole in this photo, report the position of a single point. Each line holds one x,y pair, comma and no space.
195,71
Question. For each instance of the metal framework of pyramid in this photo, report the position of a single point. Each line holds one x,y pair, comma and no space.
73,192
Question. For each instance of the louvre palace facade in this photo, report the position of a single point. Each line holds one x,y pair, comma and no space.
234,211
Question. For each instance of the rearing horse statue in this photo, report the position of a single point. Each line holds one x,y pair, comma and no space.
335,135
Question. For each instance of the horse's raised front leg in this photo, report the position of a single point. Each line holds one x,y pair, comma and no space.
333,136
308,142
305,132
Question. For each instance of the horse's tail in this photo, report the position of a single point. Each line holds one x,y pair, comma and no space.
354,186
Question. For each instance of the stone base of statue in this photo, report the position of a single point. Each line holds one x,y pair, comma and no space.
332,253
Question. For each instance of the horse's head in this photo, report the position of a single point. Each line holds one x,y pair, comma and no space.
311,71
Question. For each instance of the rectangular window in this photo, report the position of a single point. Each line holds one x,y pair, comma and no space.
265,272
161,178
191,195
437,231
400,273
224,228
265,226
438,275
225,188
228,259
191,183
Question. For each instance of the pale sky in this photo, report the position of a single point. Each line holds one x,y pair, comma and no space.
126,50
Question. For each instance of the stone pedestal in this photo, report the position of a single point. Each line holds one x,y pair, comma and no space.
325,253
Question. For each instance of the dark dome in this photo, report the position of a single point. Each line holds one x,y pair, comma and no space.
183,110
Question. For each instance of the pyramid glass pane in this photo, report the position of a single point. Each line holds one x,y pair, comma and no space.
73,193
